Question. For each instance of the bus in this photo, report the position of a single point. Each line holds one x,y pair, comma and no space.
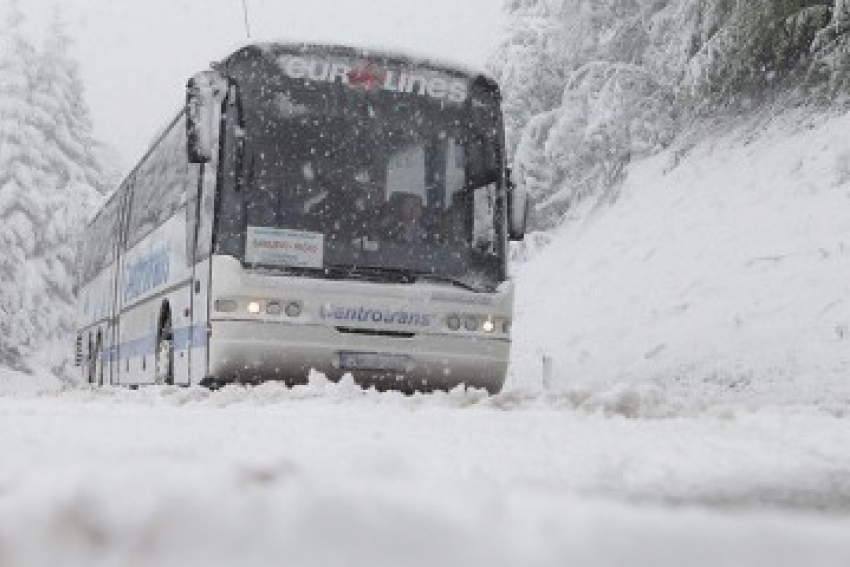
310,208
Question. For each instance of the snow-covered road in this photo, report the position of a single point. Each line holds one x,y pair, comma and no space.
331,475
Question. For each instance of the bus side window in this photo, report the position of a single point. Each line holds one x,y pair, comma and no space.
204,179
231,209
484,234
100,253
192,212
454,198
160,184
203,248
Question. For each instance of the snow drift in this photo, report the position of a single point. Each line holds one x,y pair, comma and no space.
720,265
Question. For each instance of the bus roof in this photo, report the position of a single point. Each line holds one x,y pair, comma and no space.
367,52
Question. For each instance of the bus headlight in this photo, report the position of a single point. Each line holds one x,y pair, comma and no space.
254,307
478,324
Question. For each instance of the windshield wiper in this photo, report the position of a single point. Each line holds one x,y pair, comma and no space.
371,273
457,282
389,275
340,273
402,275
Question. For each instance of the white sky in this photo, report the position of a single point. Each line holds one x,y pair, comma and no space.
136,55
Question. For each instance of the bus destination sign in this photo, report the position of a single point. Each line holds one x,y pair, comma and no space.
290,248
371,76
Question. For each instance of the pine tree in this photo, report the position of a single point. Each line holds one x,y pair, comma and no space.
528,64
582,97
20,214
51,177
591,84
76,176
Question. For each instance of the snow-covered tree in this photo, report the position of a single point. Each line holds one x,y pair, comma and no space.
50,178
591,84
75,174
21,214
529,63
581,98
750,50
611,114
831,47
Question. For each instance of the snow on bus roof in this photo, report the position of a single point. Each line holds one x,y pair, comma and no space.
370,51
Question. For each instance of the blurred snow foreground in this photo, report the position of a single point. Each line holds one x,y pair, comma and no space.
330,474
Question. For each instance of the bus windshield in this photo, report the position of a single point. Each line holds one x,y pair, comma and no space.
342,176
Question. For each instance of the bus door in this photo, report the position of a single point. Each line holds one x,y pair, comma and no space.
203,208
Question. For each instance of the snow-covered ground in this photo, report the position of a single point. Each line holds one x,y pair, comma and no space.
696,411
330,475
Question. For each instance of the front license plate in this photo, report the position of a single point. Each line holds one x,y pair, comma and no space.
373,361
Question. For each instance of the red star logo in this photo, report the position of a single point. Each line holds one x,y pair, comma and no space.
366,76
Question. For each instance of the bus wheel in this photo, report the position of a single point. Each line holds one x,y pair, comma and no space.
94,354
165,354
98,363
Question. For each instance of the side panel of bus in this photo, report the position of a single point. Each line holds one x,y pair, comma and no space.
96,341
155,283
146,258
94,337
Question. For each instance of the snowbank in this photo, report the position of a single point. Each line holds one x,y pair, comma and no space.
19,383
723,268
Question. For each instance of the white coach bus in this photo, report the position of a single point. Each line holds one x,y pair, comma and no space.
312,207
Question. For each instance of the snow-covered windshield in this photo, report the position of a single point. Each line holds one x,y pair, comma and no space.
342,176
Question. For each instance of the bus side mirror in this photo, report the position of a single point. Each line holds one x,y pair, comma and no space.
204,95
518,207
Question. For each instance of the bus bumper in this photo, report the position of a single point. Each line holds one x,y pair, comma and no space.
252,352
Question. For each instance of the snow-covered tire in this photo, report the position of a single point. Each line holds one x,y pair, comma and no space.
95,375
99,363
164,369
